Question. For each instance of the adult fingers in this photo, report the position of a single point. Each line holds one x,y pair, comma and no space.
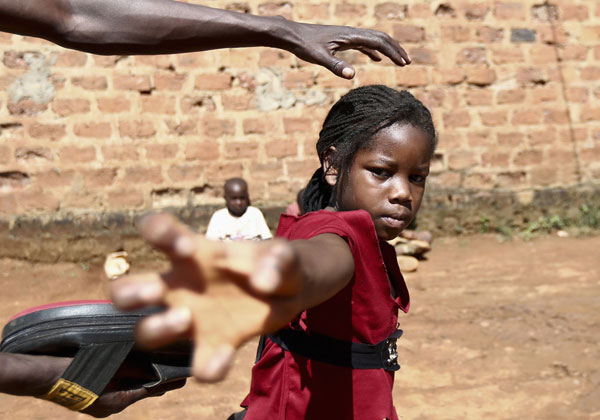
165,327
382,42
372,54
135,291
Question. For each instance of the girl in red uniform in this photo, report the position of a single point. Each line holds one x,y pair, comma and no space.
328,297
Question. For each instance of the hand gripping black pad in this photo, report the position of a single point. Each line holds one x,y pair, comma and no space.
100,339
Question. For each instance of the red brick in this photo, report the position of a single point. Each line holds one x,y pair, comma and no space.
47,131
125,199
83,200
408,33
390,11
556,116
196,60
589,114
241,102
412,76
108,60
478,97
154,61
221,171
37,201
161,152
76,154
140,83
574,12
120,152
241,150
450,76
493,118
481,76
349,10
528,158
276,9
143,175
448,140
495,159
96,178
543,176
267,171
531,75
476,11
544,94
54,178
64,107
423,56
182,173
509,11
16,59
480,181
281,148
169,81
297,125
577,94
327,80
215,128
213,81
432,98
478,138
253,126
158,104
527,117
461,159
313,12
511,179
113,105
543,54
34,155
299,79
444,180
456,33
510,96
590,73
90,82
507,55
419,11
575,52
472,55
207,150
194,104
182,127
542,138
457,118
95,130
137,128
271,57
5,154
510,139
489,35
70,58
589,155
8,203
26,106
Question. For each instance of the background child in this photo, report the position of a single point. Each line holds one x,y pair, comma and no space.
239,220
334,284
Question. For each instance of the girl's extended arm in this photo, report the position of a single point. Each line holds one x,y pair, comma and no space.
222,294
166,26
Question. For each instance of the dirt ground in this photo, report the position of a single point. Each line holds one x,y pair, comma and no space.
497,330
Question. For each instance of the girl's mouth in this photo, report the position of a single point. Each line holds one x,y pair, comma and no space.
394,222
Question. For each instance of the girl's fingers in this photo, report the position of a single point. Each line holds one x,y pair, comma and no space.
275,272
164,328
139,290
166,233
211,363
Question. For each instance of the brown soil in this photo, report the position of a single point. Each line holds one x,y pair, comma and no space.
497,330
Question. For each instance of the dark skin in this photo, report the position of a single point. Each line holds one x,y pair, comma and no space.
30,375
221,294
237,198
126,27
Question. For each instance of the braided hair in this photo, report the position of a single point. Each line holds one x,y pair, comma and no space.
349,127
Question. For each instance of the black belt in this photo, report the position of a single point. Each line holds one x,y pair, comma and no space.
382,355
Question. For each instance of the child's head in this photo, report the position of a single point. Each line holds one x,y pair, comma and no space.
375,149
237,198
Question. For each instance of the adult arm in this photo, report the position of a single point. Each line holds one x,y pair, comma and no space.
221,294
166,26
29,375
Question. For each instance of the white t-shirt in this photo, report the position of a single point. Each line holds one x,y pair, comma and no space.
251,225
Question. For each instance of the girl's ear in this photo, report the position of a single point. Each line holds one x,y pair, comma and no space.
330,171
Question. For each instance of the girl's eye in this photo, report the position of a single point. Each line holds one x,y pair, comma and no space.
418,179
379,172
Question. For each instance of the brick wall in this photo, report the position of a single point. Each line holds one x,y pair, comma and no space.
514,87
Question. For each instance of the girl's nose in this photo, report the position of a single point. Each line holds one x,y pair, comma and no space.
400,191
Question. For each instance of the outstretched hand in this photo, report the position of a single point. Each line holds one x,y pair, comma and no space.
318,44
219,294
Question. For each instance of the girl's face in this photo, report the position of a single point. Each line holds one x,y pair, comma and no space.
388,179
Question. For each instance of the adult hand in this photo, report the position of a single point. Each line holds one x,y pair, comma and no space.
220,294
318,44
